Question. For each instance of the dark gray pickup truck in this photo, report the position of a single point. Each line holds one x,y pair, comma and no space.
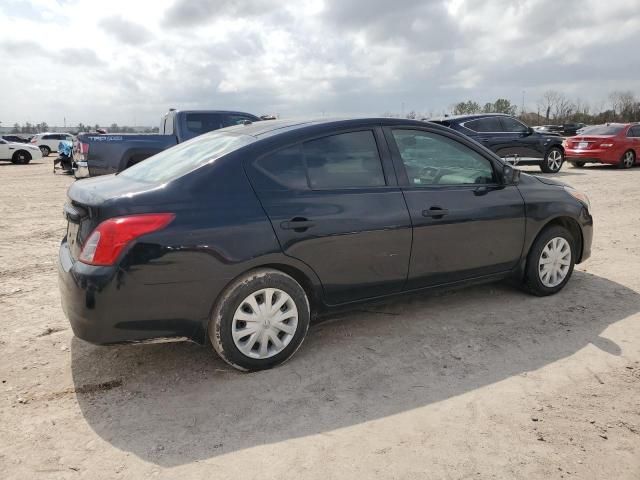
99,154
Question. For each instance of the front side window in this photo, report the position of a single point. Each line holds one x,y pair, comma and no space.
343,161
512,125
430,159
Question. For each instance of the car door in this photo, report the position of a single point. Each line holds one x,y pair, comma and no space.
633,138
466,223
334,206
522,141
5,154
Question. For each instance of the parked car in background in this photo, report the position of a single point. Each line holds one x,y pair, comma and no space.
111,153
239,236
509,137
612,143
571,129
15,139
48,142
18,153
557,129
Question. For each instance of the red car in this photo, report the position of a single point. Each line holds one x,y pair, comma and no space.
612,143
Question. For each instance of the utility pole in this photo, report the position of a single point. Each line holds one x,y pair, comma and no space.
522,109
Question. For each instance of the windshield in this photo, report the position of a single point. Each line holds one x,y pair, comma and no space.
185,157
602,130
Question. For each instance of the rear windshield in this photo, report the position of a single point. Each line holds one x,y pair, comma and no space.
602,130
185,157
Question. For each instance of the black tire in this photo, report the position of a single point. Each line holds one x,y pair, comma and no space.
553,160
21,157
532,281
221,322
45,150
627,160
578,164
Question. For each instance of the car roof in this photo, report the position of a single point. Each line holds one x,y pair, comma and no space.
266,128
468,116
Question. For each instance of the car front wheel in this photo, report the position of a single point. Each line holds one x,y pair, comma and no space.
21,158
552,162
550,261
45,150
260,320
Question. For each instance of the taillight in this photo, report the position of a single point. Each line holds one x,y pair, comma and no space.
83,151
606,145
107,241
34,140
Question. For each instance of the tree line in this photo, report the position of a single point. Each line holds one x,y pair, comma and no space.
552,108
29,128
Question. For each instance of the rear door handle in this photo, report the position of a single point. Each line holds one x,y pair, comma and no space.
435,212
297,224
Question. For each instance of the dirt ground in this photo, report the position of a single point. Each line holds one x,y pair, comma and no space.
486,382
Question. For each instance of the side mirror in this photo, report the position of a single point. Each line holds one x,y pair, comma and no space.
510,175
530,131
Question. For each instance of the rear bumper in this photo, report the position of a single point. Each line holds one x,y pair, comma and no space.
592,156
105,305
80,169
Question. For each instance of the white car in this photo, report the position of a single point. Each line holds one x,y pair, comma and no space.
48,142
20,153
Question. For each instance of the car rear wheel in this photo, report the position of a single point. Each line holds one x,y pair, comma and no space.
628,160
578,164
552,162
45,150
550,261
260,320
21,158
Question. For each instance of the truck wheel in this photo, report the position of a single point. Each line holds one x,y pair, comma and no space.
45,150
21,157
260,320
552,162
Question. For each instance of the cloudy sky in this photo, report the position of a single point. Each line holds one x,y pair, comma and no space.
128,61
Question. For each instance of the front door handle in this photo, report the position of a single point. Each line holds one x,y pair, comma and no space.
435,212
297,224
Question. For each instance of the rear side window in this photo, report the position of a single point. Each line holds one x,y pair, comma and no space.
634,132
281,170
344,160
49,137
488,125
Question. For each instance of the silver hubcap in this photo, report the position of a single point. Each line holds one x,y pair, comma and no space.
555,160
628,159
264,323
554,262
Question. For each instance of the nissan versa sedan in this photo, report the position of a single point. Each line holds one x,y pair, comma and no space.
239,236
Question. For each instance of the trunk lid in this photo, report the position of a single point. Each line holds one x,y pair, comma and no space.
588,142
90,201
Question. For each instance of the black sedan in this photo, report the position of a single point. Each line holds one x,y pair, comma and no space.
240,235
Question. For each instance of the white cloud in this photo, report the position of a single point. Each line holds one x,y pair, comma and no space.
118,61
